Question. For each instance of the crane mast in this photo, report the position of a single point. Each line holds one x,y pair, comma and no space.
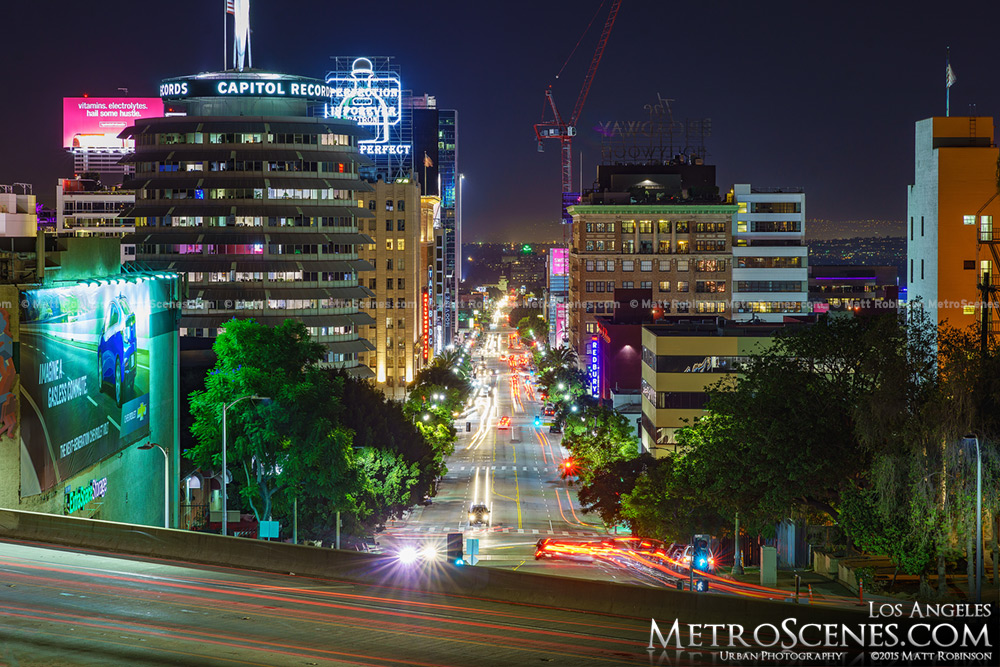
565,130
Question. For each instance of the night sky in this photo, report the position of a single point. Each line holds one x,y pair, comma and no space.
816,94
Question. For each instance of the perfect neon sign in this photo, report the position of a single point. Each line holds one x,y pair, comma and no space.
76,500
373,100
383,149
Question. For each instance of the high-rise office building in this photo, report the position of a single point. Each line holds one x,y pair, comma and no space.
770,273
408,134
256,203
949,210
399,254
657,227
435,143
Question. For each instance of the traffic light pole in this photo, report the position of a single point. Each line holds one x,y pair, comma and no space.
691,566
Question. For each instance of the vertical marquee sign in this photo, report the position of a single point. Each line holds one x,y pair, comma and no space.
425,322
595,367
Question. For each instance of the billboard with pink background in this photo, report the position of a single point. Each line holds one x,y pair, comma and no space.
559,262
95,122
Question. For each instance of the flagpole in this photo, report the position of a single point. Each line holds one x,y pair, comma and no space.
225,37
947,84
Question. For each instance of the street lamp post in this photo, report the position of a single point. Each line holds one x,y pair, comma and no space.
166,481
225,498
979,515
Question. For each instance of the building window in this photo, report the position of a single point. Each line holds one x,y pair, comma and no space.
600,286
590,286
970,265
628,247
921,225
600,265
921,269
628,226
664,265
401,225
628,284
388,283
388,244
590,265
388,264
589,247
371,284
645,226
682,285
388,225
611,286
664,285
388,204
911,228
611,264
968,219
401,205
400,282
663,226
710,286
628,265
646,265
400,244
911,270
646,284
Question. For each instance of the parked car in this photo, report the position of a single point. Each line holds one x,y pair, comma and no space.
117,348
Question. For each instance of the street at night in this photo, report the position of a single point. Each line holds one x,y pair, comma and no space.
90,608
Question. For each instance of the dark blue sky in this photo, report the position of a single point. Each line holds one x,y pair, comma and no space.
820,95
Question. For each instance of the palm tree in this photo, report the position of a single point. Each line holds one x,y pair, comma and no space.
449,359
561,357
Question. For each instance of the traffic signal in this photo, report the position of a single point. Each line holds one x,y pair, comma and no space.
701,555
568,468
455,548
538,421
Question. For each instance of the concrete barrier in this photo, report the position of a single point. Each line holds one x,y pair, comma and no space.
477,582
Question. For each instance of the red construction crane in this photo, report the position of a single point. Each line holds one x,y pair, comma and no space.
562,130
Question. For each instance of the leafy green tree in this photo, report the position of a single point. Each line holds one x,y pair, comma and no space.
783,434
384,435
598,436
531,328
603,493
668,504
279,363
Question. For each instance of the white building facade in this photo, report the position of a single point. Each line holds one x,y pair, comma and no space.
770,255
80,212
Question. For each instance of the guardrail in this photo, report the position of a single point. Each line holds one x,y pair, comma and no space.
479,582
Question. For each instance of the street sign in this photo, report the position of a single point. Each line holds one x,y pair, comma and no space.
472,550
268,530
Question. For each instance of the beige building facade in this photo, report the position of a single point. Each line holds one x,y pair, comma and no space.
402,236
682,252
